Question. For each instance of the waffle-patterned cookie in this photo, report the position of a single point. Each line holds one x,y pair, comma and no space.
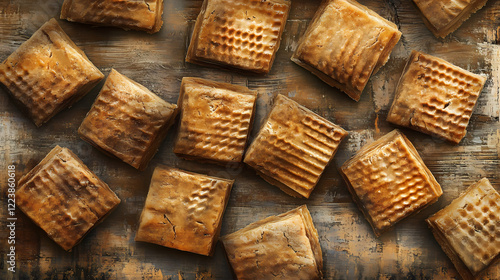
293,147
242,34
184,210
63,197
284,246
468,229
143,15
215,120
127,121
435,97
389,181
444,16
345,44
48,73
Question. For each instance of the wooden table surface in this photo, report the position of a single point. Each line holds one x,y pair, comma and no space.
350,249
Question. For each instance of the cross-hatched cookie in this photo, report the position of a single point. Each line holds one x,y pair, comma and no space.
293,147
215,120
285,246
143,15
468,229
184,210
64,198
242,34
435,97
442,17
345,44
48,73
127,121
389,181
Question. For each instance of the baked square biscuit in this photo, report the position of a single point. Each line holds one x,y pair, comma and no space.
284,246
127,121
444,16
435,97
389,181
293,147
468,229
143,15
184,210
216,119
63,197
48,73
242,34
345,44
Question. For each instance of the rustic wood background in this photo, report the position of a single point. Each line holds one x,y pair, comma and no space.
350,250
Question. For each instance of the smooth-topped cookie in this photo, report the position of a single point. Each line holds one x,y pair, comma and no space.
345,44
241,34
215,120
64,198
435,97
127,121
184,210
48,73
293,147
285,246
468,229
389,181
144,15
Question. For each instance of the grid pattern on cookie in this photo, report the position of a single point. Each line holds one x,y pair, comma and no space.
125,122
184,211
390,184
294,146
355,52
472,227
242,34
440,96
64,200
130,13
40,76
215,123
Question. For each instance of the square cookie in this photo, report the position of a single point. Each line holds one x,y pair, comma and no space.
468,229
442,17
345,44
48,73
284,246
293,147
435,97
144,15
184,210
241,34
389,181
215,120
64,198
127,121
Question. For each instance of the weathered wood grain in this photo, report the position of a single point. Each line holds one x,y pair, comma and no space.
350,250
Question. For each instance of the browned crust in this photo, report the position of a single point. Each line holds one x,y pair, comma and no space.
349,87
41,94
74,202
310,140
367,149
230,242
443,21
424,112
235,60
138,16
127,121
184,210
205,128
